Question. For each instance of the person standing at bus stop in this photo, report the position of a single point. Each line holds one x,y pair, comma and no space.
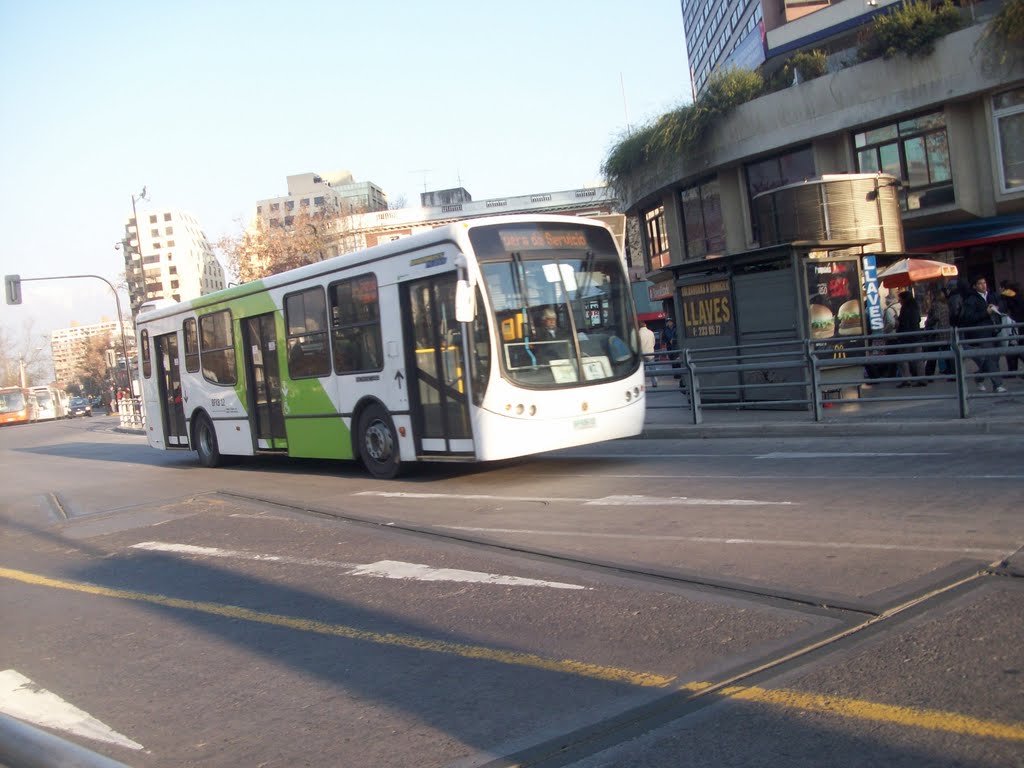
981,313
908,326
647,349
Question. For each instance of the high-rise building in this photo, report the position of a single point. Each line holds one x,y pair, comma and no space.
715,30
734,33
167,256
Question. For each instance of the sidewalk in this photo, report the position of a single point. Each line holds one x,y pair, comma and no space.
913,413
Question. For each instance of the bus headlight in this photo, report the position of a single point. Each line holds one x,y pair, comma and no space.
519,409
533,410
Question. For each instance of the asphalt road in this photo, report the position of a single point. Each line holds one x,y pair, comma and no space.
778,602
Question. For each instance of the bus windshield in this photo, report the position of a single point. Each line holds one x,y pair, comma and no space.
561,303
11,401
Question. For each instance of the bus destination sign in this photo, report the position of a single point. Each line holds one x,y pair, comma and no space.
541,239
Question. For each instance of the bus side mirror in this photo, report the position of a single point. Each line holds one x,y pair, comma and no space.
465,303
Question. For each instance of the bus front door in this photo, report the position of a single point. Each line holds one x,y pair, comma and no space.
437,389
264,379
172,408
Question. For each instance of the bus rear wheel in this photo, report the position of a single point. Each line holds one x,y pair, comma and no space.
378,443
206,443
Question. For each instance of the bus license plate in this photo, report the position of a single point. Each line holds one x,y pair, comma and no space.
588,422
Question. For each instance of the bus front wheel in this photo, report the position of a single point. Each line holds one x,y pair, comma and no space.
206,443
378,443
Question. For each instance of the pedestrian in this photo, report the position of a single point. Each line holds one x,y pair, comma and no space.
937,323
908,328
981,313
647,349
890,319
670,345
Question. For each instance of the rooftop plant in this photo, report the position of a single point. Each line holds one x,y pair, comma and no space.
910,29
680,131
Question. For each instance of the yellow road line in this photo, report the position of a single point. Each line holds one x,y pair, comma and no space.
859,709
531,660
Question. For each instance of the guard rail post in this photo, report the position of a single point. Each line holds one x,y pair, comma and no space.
815,374
961,382
694,384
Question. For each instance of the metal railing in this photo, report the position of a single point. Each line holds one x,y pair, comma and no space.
129,411
812,374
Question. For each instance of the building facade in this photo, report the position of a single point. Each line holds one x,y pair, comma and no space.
748,33
314,194
69,345
167,256
947,127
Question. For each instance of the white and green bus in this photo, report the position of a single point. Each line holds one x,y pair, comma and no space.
434,347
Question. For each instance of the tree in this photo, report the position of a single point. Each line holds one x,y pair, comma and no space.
93,370
26,347
269,246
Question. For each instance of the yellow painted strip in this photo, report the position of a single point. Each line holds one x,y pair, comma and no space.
857,709
533,661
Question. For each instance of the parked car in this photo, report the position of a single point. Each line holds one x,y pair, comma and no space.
79,406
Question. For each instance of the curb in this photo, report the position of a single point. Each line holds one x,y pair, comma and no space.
821,429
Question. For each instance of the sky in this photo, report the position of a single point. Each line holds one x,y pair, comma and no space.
211,105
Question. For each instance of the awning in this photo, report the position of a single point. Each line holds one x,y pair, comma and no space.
946,237
649,316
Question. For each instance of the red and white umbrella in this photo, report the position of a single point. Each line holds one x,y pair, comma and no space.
908,271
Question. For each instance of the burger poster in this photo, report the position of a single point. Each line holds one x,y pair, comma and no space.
834,302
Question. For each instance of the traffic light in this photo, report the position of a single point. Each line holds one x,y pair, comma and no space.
12,289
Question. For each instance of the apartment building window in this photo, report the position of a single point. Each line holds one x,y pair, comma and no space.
916,151
275,206
154,233
1008,114
289,220
704,230
170,243
169,231
304,202
152,219
656,238
318,200
289,205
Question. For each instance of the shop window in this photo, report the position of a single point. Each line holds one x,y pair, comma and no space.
306,323
355,325
1008,114
656,239
916,151
190,334
704,230
217,348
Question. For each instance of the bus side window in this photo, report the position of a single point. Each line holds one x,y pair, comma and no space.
306,328
355,313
